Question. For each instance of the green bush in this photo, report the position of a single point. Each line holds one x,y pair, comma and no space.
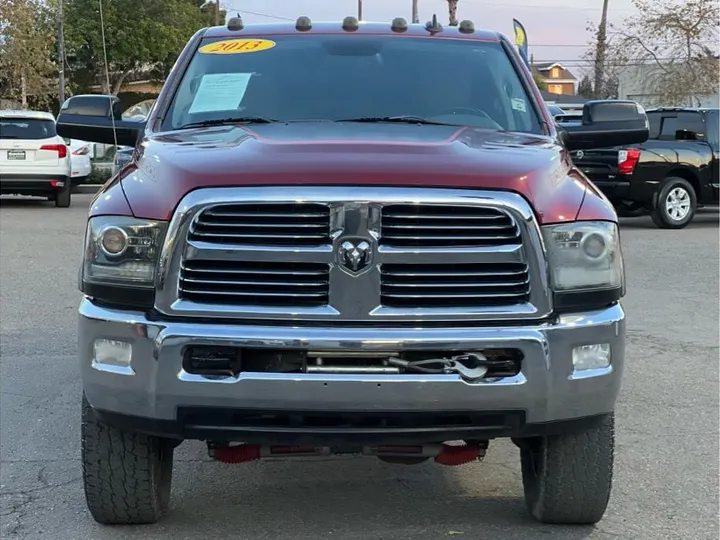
99,175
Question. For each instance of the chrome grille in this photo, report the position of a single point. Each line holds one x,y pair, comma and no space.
456,285
427,225
284,224
254,283
433,255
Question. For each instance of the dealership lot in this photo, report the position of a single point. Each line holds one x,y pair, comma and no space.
667,441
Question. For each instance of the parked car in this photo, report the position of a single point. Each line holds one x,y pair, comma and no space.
123,155
80,152
34,159
669,176
380,265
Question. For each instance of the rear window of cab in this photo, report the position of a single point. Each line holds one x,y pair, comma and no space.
330,78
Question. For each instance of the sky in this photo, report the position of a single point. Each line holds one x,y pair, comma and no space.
556,29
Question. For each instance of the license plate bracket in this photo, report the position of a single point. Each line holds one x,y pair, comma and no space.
16,155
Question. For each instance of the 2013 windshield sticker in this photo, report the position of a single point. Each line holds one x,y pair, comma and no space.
518,104
237,46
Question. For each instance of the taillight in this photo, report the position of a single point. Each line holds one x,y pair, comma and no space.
61,149
81,151
627,159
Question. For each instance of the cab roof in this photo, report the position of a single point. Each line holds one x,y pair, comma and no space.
336,27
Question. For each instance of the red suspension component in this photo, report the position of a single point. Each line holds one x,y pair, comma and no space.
458,455
236,454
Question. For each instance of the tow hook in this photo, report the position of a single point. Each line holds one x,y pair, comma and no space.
469,366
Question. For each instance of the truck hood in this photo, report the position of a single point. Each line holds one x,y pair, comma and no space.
171,164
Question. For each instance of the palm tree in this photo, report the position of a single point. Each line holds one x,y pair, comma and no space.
452,12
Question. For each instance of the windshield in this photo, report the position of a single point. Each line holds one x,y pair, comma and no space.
26,128
315,78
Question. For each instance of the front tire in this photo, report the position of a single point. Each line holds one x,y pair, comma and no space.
568,478
676,204
127,476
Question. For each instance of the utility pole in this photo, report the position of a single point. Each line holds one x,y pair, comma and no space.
415,16
600,52
217,12
360,6
61,56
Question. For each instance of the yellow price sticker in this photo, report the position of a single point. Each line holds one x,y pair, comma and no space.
237,46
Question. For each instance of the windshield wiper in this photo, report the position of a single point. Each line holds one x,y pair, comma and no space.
230,120
407,119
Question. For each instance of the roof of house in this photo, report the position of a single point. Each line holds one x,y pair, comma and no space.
543,67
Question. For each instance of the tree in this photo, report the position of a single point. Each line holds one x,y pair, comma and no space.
27,30
452,12
673,46
585,88
539,82
140,35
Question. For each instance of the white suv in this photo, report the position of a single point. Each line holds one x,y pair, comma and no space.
34,160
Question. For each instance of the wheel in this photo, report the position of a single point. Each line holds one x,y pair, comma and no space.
567,478
62,197
127,476
676,204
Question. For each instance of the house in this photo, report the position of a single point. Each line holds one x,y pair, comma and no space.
556,77
636,83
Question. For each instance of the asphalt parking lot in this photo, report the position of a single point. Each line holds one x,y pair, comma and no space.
666,484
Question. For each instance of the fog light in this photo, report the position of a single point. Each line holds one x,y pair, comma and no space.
110,352
591,356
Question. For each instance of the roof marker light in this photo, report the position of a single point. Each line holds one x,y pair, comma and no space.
399,25
235,23
466,27
433,26
303,24
350,24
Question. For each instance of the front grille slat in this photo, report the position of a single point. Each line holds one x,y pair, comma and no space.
259,224
434,225
249,283
469,285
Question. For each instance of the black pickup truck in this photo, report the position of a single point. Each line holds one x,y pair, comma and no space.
669,176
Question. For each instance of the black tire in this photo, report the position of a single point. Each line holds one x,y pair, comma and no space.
568,478
62,197
127,476
661,215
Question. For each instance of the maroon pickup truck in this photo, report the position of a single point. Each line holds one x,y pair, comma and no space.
341,238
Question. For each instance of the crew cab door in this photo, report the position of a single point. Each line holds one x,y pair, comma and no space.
713,125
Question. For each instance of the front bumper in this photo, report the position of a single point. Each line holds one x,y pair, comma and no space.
156,395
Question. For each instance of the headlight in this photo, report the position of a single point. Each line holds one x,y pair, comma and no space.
122,251
585,257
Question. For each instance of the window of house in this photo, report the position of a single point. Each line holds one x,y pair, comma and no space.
555,88
555,73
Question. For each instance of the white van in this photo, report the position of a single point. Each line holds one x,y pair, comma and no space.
34,160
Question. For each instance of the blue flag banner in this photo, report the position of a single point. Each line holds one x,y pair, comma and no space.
521,41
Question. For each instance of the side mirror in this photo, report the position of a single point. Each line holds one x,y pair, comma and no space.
96,118
606,123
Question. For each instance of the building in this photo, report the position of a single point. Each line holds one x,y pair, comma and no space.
637,82
556,77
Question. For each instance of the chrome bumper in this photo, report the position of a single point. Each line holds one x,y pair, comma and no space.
155,386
